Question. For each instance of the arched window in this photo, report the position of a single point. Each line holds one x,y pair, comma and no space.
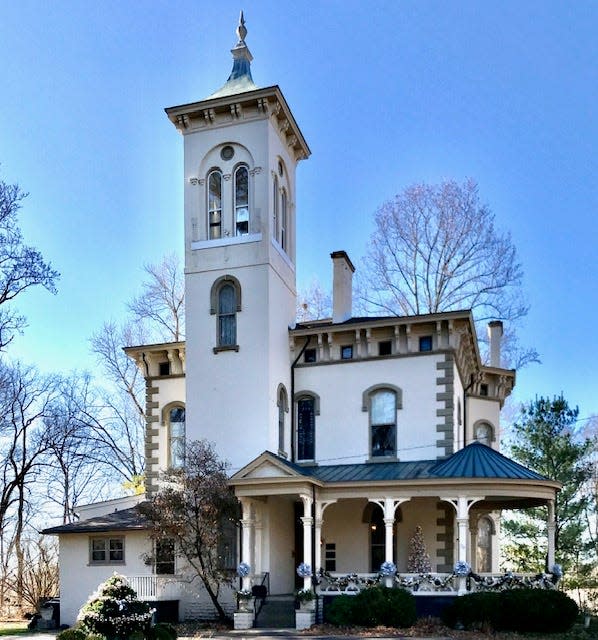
307,409
241,201
484,545
176,437
275,214
283,220
225,303
484,433
383,423
214,204
283,407
227,316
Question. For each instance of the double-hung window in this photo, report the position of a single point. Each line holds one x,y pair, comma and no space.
176,420
227,316
105,550
383,423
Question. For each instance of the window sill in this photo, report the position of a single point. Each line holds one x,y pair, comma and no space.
107,563
223,242
375,459
228,347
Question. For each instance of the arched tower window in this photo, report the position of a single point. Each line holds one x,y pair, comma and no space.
215,204
283,220
225,302
227,316
241,201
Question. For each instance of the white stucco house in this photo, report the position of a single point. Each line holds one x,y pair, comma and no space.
343,434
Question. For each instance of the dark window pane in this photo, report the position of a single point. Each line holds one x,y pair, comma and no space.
347,352
383,440
306,429
241,187
165,556
385,348
425,343
309,355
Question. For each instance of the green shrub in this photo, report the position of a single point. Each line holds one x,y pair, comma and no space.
162,631
114,611
74,633
384,606
339,612
536,610
372,607
474,610
521,610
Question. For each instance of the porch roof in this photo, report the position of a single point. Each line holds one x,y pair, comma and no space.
476,460
124,520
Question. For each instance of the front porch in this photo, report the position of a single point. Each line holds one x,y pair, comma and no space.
337,529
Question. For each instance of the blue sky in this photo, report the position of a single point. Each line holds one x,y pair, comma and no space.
386,94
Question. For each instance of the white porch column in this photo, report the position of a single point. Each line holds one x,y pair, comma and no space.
551,527
258,529
246,531
462,505
307,521
389,508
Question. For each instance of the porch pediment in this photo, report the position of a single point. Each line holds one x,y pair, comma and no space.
267,465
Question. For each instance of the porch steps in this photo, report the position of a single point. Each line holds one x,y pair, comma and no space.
278,612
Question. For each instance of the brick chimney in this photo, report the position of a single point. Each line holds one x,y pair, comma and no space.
342,286
494,336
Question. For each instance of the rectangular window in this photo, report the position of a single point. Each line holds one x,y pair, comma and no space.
347,352
330,556
309,355
425,343
164,368
483,389
385,348
165,557
106,551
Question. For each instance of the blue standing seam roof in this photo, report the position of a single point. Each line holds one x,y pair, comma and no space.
476,460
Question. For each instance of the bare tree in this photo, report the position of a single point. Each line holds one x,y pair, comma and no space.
21,266
39,578
436,248
162,301
193,508
313,302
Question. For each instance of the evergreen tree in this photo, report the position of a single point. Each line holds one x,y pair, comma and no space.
419,560
546,439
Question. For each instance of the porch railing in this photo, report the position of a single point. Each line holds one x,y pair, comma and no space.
151,587
428,583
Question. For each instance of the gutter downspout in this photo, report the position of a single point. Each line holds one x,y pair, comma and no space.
292,399
465,390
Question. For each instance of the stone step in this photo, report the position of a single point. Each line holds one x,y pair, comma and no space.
278,612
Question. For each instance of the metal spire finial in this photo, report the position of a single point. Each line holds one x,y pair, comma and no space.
241,30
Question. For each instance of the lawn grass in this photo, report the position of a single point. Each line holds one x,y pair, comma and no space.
13,627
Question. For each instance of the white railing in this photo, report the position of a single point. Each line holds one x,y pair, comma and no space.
155,587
